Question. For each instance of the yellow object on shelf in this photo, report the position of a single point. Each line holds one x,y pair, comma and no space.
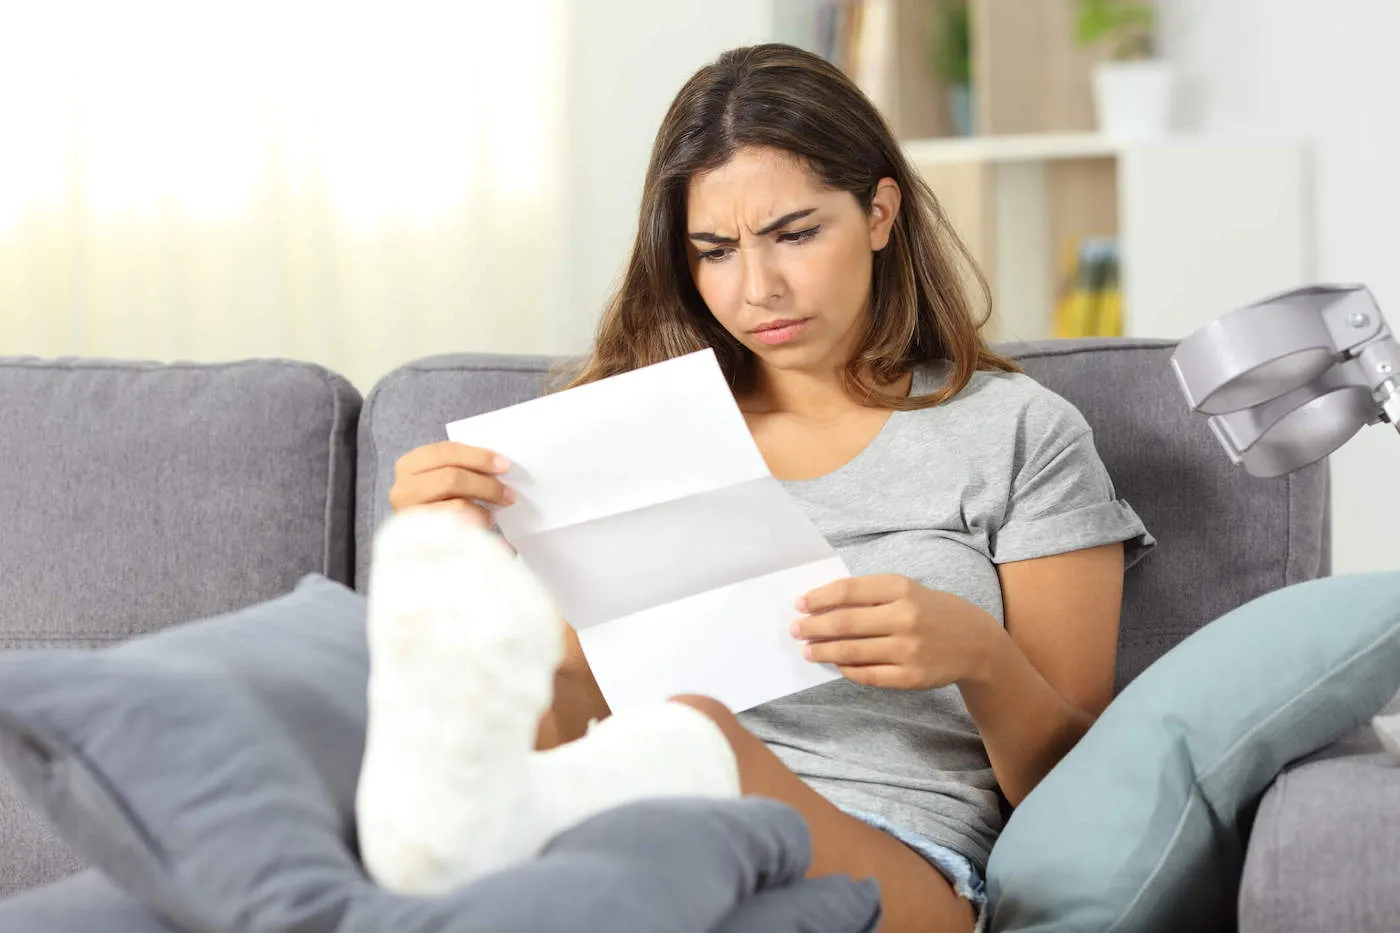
1092,303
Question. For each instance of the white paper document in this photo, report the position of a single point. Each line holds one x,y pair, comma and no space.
645,507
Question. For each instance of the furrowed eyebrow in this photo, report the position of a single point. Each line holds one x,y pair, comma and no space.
778,224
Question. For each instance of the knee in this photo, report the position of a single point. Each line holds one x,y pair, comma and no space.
712,709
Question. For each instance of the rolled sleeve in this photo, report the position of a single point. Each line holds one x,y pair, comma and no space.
1063,500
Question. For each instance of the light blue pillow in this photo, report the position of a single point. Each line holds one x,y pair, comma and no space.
1140,827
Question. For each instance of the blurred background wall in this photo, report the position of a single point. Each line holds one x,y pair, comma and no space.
336,182
626,60
1326,70
356,184
360,184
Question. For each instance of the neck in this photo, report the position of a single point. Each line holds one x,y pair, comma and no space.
819,394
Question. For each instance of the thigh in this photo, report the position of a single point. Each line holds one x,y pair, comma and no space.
577,702
577,699
916,897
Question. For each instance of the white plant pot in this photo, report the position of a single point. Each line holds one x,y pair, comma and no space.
1134,99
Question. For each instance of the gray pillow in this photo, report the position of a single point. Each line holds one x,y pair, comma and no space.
89,901
83,903
209,770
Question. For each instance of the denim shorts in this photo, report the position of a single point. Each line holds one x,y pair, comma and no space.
957,868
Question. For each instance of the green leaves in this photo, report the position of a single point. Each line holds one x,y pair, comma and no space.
1127,24
952,45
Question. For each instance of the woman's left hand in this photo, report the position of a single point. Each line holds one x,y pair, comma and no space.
888,631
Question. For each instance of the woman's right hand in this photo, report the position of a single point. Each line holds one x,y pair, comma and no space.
451,475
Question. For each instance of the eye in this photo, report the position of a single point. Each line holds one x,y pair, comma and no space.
799,235
716,255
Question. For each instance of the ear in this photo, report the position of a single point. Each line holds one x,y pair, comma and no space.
884,208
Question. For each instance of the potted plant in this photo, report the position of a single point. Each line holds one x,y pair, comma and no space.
952,62
1133,88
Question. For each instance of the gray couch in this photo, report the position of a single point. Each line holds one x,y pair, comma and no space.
135,496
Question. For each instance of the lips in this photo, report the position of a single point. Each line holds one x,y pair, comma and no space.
781,331
775,325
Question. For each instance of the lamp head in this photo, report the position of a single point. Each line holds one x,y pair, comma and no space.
1292,377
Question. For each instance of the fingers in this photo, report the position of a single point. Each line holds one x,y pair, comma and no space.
856,591
874,662
862,622
449,454
847,652
883,675
447,471
475,513
448,483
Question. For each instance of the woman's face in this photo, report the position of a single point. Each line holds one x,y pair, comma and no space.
782,264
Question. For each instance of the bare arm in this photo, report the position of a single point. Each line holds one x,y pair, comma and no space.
1050,674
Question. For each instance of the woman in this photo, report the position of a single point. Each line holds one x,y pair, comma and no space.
782,227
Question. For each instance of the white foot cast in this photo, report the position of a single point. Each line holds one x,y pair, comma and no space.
464,643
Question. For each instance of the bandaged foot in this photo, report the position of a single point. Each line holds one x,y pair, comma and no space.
464,642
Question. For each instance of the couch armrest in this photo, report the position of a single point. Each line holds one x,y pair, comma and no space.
1324,853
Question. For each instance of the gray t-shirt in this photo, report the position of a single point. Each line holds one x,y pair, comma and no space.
1005,471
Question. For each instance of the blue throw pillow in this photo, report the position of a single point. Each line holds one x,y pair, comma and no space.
1140,827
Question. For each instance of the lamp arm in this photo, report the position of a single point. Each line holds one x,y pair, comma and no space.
1390,401
1379,360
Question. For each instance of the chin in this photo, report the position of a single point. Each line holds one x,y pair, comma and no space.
795,357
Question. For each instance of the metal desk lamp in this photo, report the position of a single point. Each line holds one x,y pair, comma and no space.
1289,379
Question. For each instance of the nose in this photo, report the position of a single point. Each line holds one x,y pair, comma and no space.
762,284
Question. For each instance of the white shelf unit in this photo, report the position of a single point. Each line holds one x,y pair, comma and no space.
1026,148
1205,223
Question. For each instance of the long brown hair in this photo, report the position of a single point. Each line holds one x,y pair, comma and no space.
784,98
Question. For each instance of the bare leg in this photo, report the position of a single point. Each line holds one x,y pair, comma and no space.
916,896
577,699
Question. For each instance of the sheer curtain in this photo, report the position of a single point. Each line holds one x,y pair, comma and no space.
353,184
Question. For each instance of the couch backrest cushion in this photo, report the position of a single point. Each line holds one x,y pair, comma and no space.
137,495
1224,537
412,406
